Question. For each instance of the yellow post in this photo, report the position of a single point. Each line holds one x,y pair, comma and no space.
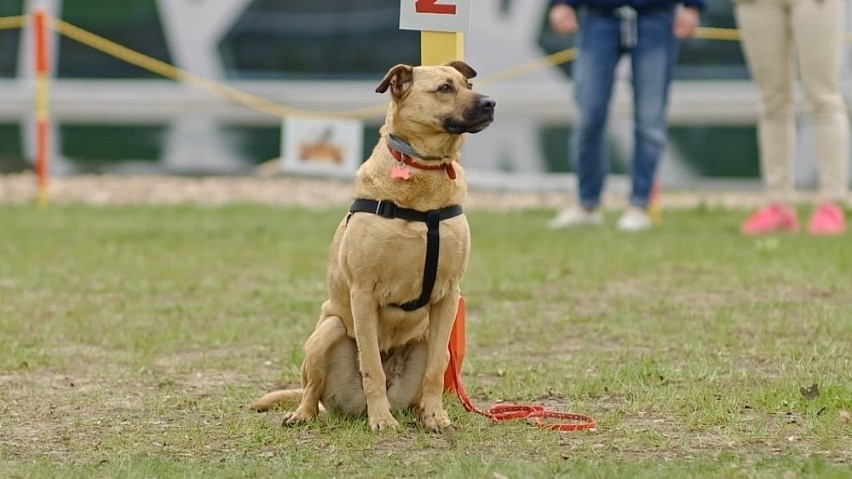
440,47
437,48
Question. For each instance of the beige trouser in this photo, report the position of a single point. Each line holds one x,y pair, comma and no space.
773,32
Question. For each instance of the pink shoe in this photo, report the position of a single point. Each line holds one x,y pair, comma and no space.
828,219
771,219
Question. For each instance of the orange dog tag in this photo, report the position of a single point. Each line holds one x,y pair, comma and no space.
400,172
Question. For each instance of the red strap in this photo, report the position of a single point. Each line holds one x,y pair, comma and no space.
505,411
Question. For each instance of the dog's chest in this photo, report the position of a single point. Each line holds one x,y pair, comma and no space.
391,253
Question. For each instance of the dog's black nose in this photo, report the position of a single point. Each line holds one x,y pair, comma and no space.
487,103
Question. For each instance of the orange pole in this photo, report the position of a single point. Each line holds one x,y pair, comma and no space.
41,102
654,207
457,348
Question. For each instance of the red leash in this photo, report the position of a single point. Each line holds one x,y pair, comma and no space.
502,412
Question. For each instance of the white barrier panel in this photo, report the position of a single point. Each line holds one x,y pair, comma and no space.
322,147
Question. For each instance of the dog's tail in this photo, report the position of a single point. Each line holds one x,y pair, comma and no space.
277,398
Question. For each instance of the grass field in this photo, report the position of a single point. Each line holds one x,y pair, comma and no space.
133,338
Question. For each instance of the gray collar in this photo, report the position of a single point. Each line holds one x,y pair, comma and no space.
405,148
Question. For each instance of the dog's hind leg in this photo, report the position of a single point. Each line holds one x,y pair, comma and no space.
365,312
329,331
343,392
433,416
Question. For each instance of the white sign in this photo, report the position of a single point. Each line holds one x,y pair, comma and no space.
322,147
435,15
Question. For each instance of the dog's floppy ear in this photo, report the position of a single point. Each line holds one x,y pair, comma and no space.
463,67
397,78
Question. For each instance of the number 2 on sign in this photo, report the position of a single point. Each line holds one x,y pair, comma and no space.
432,6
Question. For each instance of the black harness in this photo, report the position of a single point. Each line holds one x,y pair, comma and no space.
432,218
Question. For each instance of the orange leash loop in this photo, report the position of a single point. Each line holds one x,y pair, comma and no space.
505,411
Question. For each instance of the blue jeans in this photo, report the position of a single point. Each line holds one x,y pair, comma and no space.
652,60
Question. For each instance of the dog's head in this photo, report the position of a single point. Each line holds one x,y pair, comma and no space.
438,98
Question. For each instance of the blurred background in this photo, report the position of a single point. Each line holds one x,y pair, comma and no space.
112,117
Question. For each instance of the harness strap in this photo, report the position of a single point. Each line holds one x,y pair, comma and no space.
389,209
432,218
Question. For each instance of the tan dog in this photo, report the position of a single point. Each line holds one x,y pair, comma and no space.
381,341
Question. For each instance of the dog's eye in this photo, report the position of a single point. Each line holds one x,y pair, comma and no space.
469,86
445,88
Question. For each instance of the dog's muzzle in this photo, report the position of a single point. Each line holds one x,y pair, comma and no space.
475,119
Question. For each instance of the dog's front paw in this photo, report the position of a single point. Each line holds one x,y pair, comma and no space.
436,421
383,421
297,417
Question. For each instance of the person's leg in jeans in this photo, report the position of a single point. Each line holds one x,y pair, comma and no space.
599,48
653,59
818,38
767,45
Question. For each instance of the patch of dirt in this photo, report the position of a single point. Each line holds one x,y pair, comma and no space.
98,405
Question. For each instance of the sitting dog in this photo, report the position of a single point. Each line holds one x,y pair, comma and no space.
396,260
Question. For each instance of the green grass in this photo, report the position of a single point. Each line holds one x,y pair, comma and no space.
133,338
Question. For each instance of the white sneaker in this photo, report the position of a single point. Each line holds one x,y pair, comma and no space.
634,219
576,216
